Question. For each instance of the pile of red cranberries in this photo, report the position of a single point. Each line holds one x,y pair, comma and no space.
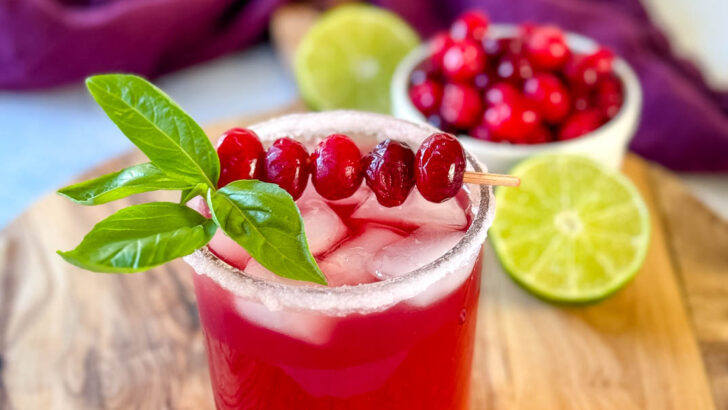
527,89
337,167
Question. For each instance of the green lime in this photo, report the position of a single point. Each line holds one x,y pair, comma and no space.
573,231
346,60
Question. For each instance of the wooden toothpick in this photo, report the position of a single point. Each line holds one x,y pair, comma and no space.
490,179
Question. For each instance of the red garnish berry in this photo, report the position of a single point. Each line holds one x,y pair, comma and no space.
389,172
472,24
241,156
581,98
426,96
482,132
498,47
463,60
580,123
609,96
461,106
287,164
508,116
439,44
484,80
514,68
439,167
588,70
336,167
423,72
501,92
549,97
546,47
539,135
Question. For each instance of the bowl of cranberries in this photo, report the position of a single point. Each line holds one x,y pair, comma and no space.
513,91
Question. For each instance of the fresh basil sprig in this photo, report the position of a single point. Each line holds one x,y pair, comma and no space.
129,181
261,217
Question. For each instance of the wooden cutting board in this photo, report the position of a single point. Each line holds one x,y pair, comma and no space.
71,339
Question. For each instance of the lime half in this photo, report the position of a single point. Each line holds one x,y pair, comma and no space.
346,60
573,231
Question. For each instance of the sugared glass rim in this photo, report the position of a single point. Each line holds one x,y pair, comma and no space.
363,298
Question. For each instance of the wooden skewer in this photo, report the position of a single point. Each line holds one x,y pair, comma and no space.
490,179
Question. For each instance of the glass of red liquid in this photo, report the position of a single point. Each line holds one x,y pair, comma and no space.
395,328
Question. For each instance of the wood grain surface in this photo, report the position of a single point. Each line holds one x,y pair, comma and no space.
71,339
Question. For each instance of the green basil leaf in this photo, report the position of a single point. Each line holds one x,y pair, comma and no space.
141,237
110,187
158,126
263,219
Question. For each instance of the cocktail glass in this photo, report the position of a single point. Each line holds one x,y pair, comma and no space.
400,343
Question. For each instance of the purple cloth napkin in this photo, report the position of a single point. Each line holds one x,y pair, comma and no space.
45,42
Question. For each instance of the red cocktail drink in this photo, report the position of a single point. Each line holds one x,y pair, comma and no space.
395,327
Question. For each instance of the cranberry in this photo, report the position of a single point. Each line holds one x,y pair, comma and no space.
482,132
423,72
508,116
426,96
496,48
241,156
389,172
461,105
609,96
483,80
546,47
581,98
539,135
472,24
500,92
549,96
588,70
514,68
287,164
336,167
435,120
463,60
439,44
580,123
439,167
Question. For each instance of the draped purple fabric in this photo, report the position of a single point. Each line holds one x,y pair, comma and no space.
46,42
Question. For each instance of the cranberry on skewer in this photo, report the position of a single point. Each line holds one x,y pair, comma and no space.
439,167
241,156
336,167
287,164
389,172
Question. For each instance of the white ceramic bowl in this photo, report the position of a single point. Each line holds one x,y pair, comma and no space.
606,144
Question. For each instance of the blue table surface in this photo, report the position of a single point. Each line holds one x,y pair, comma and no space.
47,137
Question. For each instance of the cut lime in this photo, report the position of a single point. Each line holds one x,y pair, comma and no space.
573,231
346,60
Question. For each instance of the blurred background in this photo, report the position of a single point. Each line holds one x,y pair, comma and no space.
218,59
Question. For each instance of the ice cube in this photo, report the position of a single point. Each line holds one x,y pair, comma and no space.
324,228
228,250
422,247
349,264
310,327
415,211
